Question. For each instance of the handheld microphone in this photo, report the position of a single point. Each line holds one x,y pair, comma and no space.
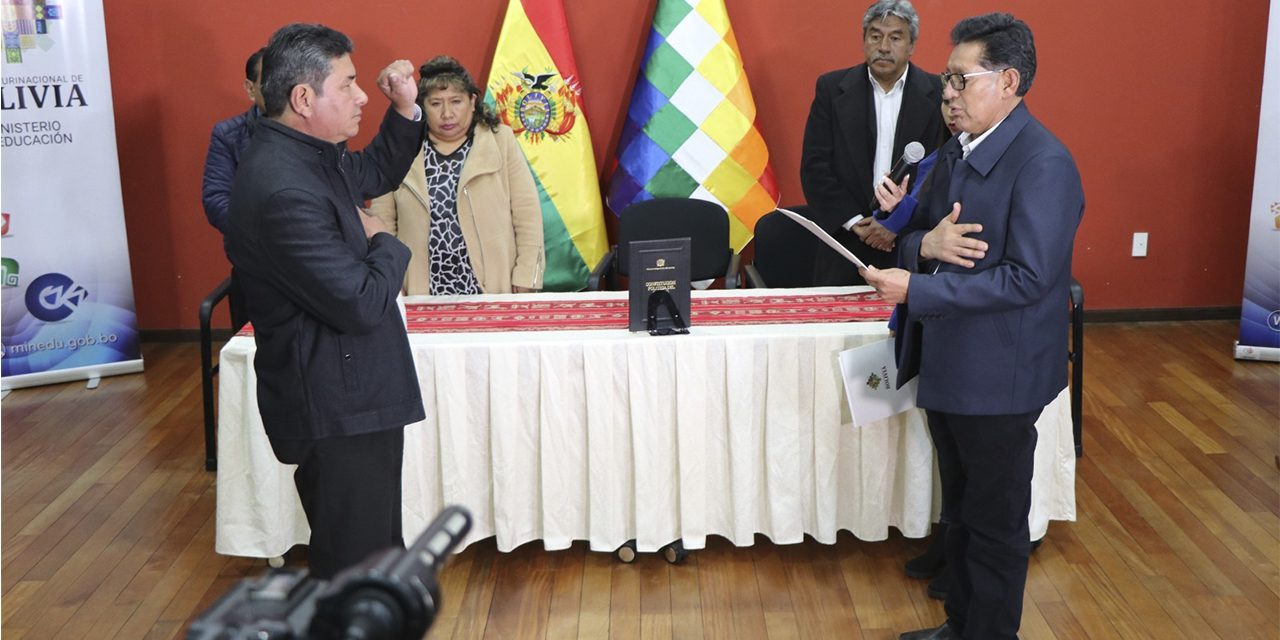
911,155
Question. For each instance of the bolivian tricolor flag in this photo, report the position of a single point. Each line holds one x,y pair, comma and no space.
534,87
691,129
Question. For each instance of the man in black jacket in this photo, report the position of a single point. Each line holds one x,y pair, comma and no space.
336,380
861,119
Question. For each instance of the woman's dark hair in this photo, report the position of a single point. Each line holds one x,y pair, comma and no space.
443,72
1006,43
944,132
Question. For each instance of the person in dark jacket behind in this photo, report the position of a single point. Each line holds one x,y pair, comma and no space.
226,144
336,379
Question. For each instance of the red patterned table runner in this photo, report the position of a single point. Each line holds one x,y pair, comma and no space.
603,313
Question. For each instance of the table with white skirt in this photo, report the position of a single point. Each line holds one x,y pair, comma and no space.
608,436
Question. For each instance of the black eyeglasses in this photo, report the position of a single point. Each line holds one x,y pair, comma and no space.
959,80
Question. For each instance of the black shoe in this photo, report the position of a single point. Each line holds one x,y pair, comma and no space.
1035,544
931,562
938,633
939,586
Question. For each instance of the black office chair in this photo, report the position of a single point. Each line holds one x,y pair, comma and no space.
228,288
784,252
1076,356
706,224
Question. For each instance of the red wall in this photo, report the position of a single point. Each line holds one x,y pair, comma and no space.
1158,102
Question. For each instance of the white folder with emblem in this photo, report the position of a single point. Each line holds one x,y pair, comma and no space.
870,375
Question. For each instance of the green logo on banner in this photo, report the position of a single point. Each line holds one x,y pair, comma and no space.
10,276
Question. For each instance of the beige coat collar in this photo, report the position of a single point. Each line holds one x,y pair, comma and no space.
483,158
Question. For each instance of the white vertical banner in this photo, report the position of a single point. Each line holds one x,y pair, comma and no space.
67,298
1260,313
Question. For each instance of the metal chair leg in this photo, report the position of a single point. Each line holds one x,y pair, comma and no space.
1077,364
208,370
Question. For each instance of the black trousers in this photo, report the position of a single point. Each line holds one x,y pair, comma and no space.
350,490
237,303
986,464
830,269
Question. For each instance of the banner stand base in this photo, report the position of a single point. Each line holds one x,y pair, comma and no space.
1265,354
90,373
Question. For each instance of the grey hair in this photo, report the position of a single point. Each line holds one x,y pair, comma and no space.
299,54
882,9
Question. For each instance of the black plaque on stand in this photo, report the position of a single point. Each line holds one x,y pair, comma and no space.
660,287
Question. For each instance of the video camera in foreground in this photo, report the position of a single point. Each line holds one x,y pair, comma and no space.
393,595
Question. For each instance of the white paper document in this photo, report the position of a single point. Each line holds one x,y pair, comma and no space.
823,236
870,375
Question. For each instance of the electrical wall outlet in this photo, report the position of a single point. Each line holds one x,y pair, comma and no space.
1140,245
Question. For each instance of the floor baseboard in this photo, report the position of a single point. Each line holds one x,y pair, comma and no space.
1162,315
181,335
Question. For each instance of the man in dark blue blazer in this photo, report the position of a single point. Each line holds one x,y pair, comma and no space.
984,295
227,144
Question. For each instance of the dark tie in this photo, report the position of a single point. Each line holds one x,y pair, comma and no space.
960,171
954,153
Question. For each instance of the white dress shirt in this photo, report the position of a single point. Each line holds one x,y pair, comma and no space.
968,143
888,105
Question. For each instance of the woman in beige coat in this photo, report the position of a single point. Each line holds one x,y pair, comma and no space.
469,207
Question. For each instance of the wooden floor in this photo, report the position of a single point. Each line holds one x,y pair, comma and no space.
107,525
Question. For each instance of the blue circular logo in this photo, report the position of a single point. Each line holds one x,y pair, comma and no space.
1273,321
53,297
534,111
